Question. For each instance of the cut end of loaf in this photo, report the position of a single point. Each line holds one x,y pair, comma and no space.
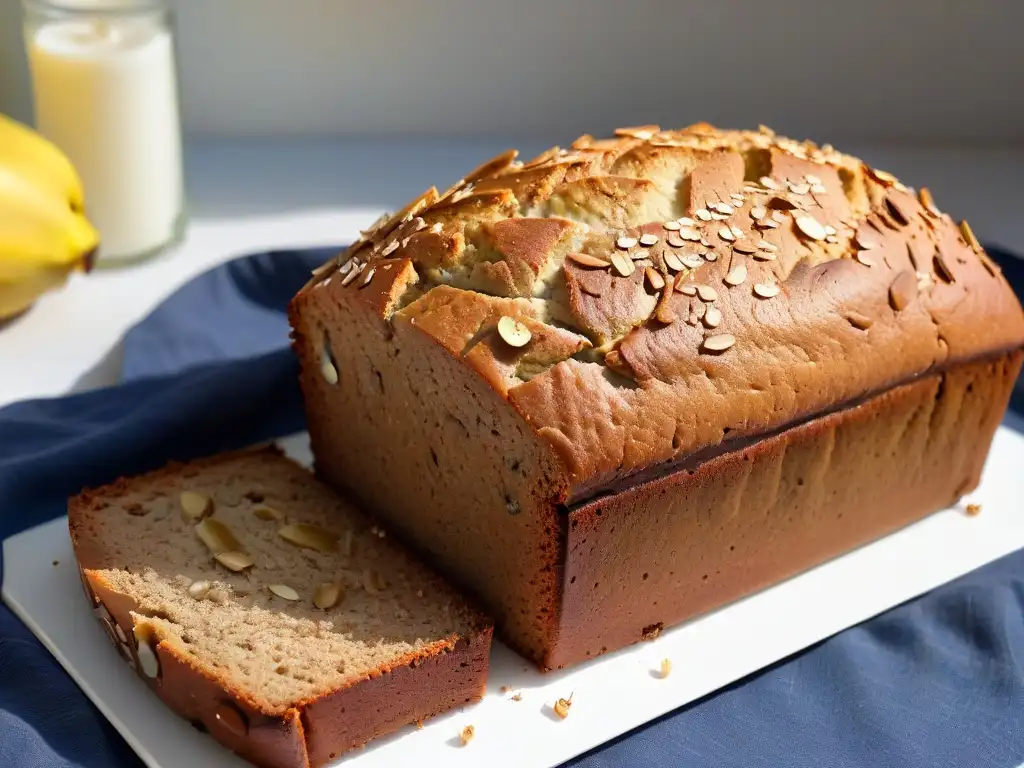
328,600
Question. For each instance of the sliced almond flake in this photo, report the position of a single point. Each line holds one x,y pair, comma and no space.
928,202
217,537
769,183
543,157
586,260
654,278
764,245
712,316
625,242
326,596
648,239
705,242
864,241
726,234
883,177
764,256
724,208
368,277
436,228
745,248
768,224
799,189
687,289
513,332
811,179
671,226
351,276
234,561
663,312
642,132
758,212
766,290
623,264
819,189
736,276
711,256
198,589
284,591
830,230
692,260
859,321
309,537
675,240
703,214
716,216
686,221
737,232
672,261
194,506
719,342
810,227
641,256
779,217
380,222
265,512
345,267
865,258
689,233
390,248
707,293
969,237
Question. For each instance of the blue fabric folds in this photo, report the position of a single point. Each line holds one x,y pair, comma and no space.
938,681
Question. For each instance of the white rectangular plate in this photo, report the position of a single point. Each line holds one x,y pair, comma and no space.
612,694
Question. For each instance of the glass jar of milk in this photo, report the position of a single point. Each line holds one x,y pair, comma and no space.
106,92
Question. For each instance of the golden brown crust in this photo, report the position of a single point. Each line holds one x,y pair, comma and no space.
827,280
665,550
418,685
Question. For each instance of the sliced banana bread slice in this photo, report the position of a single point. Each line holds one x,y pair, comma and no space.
267,610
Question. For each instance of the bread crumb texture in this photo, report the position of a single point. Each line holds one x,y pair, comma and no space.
323,600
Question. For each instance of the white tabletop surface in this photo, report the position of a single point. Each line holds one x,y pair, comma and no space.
260,194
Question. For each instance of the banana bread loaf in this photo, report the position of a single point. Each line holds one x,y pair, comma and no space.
266,610
630,381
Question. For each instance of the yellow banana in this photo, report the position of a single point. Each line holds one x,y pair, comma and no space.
43,233
29,155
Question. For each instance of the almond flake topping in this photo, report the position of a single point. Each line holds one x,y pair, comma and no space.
737,275
513,332
810,227
712,316
622,264
719,343
586,260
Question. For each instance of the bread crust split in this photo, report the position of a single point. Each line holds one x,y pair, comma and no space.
682,292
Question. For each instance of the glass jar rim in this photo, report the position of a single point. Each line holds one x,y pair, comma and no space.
94,7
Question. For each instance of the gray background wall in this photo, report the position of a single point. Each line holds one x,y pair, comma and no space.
921,70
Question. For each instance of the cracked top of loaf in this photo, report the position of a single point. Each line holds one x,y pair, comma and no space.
668,289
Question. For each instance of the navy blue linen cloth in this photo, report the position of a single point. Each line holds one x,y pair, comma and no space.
938,681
